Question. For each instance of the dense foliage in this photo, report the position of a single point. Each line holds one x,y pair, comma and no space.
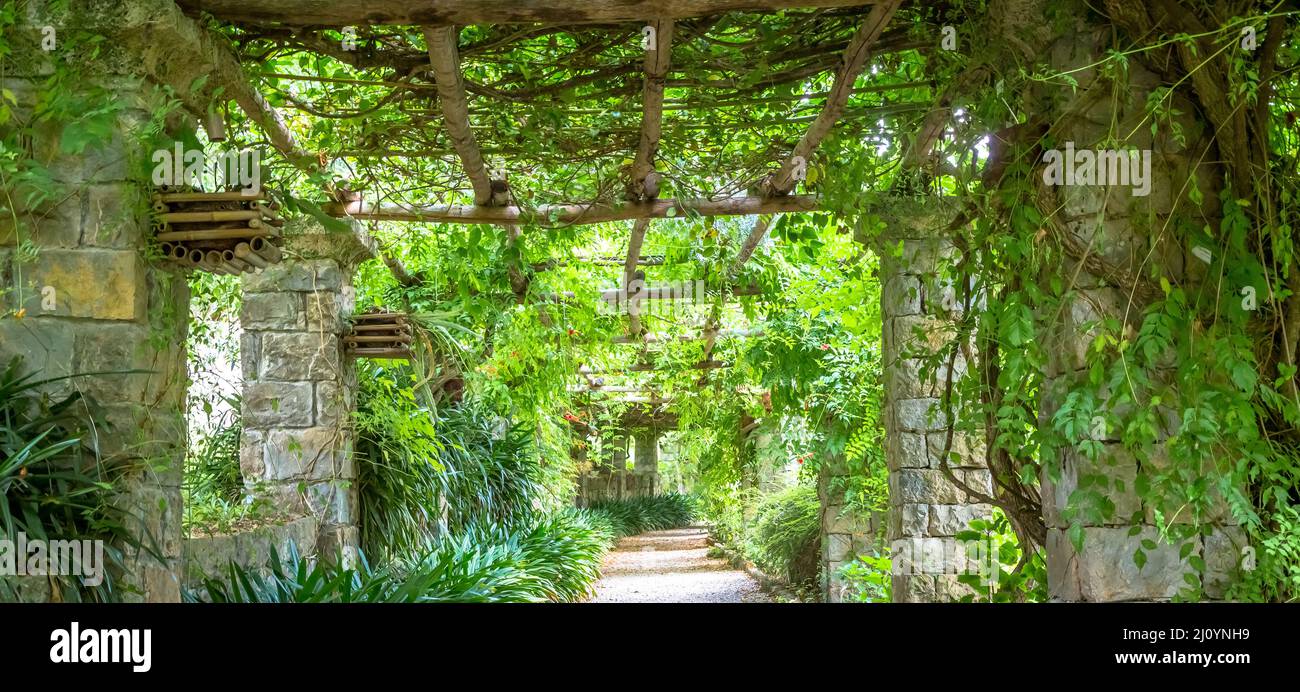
551,558
466,456
787,535
54,486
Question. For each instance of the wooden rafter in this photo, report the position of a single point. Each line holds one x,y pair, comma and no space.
657,57
579,214
645,183
780,183
338,13
445,62
855,58
444,59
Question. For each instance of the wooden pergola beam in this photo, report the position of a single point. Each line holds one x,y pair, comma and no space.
855,59
645,184
651,367
444,59
339,13
655,66
445,63
552,215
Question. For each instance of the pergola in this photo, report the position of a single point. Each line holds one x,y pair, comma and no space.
440,70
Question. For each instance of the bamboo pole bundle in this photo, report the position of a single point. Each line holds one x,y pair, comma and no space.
378,339
221,232
211,234
201,216
392,353
265,249
232,196
380,335
244,251
402,328
396,317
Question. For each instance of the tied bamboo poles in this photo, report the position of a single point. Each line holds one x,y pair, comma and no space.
218,232
380,334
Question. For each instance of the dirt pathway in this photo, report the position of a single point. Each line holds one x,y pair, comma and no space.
672,567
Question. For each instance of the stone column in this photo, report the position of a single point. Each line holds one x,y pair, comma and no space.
845,534
925,509
647,453
83,296
299,389
1124,230
616,457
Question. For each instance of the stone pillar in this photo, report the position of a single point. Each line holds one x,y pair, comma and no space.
1125,231
83,296
616,457
299,389
925,509
845,534
647,452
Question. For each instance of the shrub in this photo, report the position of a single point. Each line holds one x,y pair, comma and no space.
653,513
212,491
54,486
866,579
422,471
556,558
787,535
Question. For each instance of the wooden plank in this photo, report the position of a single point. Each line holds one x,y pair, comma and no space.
382,339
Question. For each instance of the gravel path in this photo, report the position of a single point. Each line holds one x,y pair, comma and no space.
672,567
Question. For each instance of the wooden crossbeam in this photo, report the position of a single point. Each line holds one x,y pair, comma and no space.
655,67
445,62
552,215
339,13
855,58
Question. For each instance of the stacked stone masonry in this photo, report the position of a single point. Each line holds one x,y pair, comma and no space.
300,389
1123,227
926,510
846,535
90,301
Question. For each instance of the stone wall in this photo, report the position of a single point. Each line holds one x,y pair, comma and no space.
926,510
210,556
646,457
845,533
604,484
614,450
1123,229
299,388
91,301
